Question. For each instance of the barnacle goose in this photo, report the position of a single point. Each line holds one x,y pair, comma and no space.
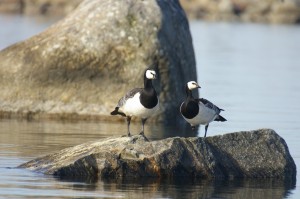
199,111
139,102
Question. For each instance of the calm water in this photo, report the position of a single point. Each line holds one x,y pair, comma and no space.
250,70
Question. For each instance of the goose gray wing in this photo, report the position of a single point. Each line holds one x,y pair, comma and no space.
210,105
128,95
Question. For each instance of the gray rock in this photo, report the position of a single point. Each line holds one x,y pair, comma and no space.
254,154
82,65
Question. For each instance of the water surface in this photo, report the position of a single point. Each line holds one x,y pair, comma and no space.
250,70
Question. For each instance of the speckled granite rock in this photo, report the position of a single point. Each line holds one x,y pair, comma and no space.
82,65
254,154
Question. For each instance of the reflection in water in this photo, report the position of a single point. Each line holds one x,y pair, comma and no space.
189,188
37,138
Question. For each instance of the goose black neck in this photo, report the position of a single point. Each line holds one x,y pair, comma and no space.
148,97
188,92
147,83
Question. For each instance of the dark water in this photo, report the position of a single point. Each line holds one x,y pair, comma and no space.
250,70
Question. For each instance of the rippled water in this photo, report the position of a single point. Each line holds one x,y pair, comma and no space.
250,70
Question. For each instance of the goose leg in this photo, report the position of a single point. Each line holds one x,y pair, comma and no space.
143,124
206,127
128,125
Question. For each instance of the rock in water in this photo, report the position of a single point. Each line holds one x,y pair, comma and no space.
82,65
255,154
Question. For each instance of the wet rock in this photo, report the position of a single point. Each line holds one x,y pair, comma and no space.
254,154
81,66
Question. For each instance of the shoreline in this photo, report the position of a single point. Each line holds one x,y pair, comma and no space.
274,12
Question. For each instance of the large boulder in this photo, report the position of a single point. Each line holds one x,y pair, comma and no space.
255,154
83,64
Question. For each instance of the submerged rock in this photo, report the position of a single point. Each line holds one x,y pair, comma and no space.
254,154
82,65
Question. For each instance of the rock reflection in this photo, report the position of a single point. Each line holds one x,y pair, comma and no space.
160,131
189,188
37,138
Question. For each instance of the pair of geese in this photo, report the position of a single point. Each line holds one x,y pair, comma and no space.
143,103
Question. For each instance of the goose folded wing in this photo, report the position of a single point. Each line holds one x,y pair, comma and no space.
128,95
209,104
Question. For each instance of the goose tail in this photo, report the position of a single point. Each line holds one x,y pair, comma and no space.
220,119
116,112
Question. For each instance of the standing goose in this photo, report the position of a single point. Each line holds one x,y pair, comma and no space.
199,111
139,102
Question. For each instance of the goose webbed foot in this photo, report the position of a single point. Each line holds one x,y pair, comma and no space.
142,134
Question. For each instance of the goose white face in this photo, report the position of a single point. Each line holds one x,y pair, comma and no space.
192,85
150,74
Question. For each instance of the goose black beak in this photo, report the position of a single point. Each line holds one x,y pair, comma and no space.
154,75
